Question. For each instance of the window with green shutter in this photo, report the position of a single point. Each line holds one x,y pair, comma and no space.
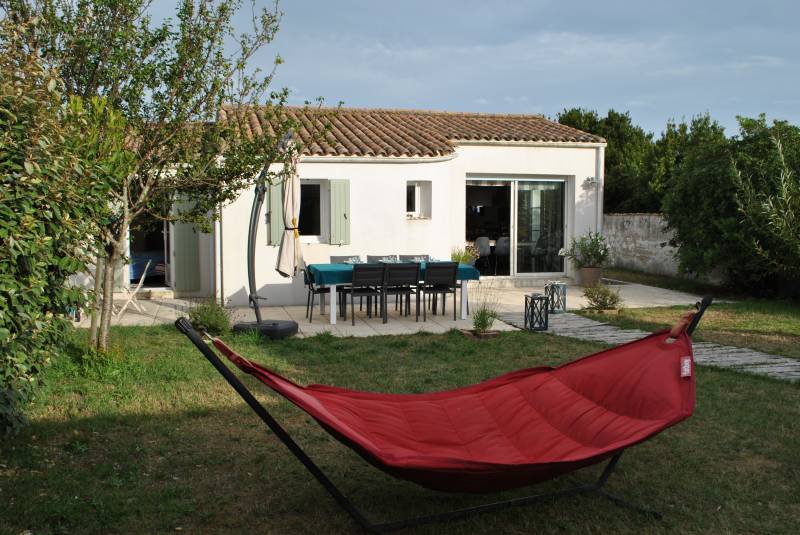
340,212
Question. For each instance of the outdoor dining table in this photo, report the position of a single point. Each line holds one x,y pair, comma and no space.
333,275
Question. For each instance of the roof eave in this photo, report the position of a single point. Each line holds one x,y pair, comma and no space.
336,158
534,143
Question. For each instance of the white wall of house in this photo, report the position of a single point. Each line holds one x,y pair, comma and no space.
378,222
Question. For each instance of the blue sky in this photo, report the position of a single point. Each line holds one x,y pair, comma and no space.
656,59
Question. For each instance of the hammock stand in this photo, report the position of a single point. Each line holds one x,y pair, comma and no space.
596,487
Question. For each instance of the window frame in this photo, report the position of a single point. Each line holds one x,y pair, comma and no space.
324,211
423,199
417,199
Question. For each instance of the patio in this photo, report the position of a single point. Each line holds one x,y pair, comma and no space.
509,301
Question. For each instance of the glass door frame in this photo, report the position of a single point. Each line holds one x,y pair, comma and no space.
514,182
514,230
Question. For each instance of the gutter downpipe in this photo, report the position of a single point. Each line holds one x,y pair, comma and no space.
600,174
219,284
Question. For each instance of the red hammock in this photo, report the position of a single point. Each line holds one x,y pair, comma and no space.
511,431
514,430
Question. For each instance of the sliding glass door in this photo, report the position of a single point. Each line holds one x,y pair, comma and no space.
539,226
517,225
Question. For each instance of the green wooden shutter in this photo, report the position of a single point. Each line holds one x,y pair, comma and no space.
275,214
340,212
186,256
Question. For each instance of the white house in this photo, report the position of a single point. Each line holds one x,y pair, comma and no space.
411,182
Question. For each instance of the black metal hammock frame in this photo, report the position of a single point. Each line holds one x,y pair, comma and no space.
596,487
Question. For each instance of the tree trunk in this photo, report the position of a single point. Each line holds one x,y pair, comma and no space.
95,306
109,266
117,250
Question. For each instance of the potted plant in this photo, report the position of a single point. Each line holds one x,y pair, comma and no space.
588,253
467,255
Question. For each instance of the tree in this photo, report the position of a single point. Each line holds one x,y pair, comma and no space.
50,201
667,156
168,80
700,206
768,162
627,181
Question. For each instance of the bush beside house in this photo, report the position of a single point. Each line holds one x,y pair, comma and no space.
50,201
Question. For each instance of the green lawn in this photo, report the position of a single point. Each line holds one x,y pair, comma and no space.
157,442
772,326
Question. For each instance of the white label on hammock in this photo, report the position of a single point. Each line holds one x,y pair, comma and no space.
686,366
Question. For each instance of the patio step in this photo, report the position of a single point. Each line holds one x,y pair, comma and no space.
155,293
522,282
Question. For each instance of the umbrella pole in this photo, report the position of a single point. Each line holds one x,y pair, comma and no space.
273,329
252,233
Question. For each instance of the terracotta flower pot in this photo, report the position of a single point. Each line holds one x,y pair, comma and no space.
590,276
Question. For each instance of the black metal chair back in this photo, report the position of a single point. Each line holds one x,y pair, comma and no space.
372,259
406,274
441,273
345,259
368,275
308,278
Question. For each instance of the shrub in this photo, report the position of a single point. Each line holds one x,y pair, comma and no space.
484,311
483,318
714,227
467,255
211,316
50,199
601,297
589,250
776,215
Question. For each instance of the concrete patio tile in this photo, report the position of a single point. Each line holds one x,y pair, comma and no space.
360,329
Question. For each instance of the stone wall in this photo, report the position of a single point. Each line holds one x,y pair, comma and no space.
639,242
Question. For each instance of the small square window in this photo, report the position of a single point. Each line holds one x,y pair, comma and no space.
418,199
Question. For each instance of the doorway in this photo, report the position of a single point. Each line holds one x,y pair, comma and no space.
148,244
489,225
517,225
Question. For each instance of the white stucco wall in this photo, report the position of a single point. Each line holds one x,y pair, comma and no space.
378,223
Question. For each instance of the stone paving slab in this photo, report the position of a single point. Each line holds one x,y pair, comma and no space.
706,354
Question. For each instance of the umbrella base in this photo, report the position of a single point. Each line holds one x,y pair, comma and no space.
272,329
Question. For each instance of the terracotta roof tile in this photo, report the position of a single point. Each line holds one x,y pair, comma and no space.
397,133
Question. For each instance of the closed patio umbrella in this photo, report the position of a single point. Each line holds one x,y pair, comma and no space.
289,254
273,329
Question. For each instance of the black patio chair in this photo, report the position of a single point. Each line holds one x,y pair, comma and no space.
483,245
440,279
313,291
346,259
415,257
402,281
368,281
502,251
374,259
